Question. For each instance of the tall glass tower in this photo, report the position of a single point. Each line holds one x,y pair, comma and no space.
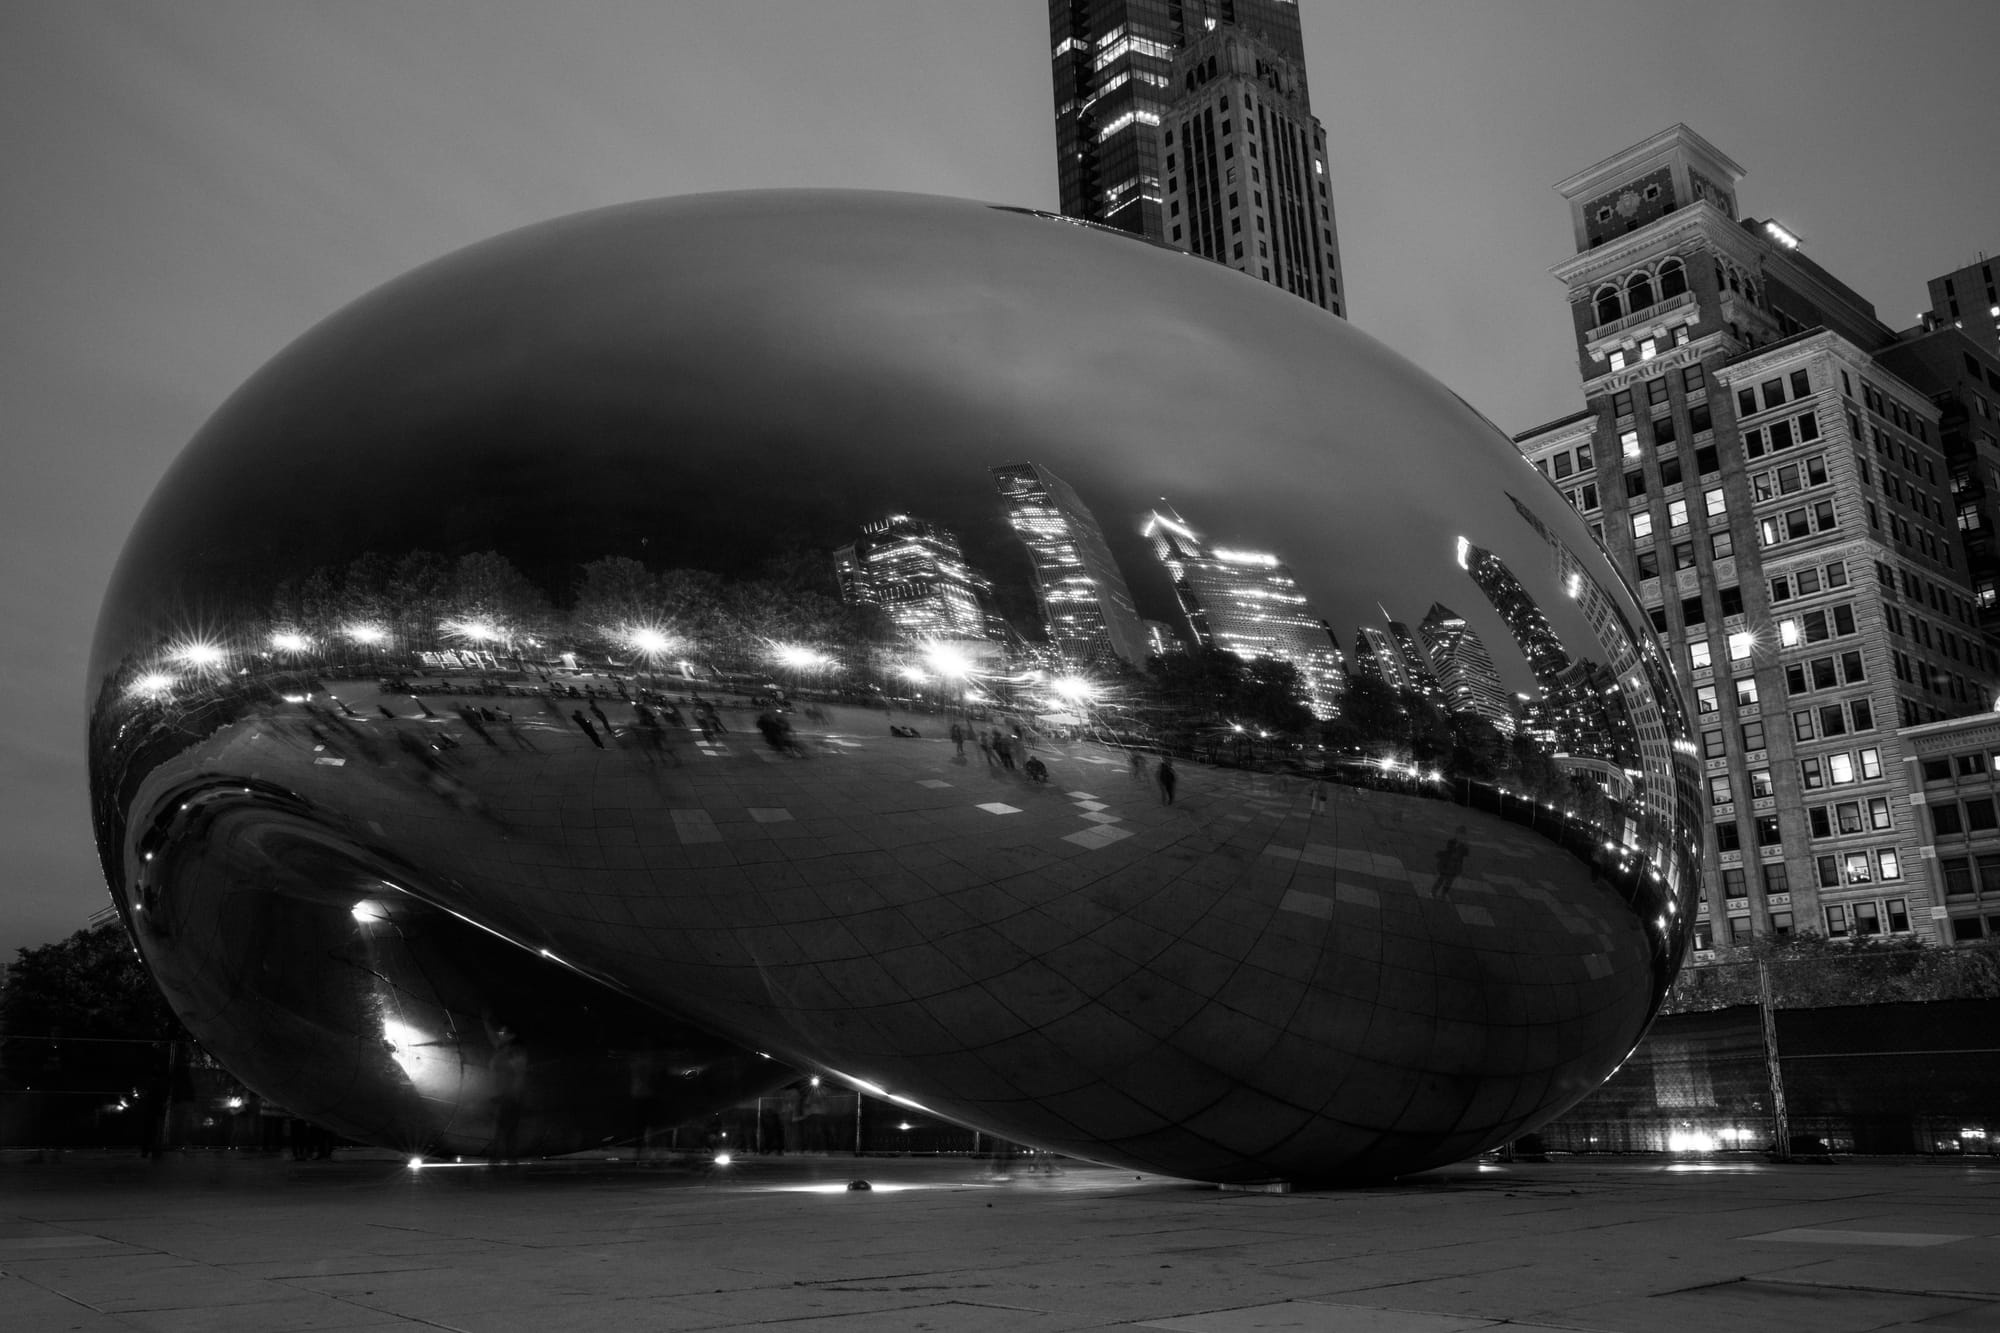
1248,603
1085,604
1465,669
914,570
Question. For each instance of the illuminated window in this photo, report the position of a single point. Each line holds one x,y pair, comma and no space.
1642,523
1677,513
1698,654
1715,502
1740,644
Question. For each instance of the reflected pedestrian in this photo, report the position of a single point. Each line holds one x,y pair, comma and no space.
1164,774
1450,860
583,723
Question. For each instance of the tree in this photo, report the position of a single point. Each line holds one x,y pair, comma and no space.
92,984
83,1014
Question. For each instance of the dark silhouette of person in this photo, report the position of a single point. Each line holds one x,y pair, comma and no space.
958,738
986,747
602,720
576,716
1164,774
1450,860
509,1067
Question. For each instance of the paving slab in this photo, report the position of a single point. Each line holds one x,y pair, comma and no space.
224,1241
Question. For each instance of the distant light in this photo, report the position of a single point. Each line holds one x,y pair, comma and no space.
799,657
722,1159
368,910
234,1103
198,654
416,1164
1781,236
473,631
1263,558
648,640
948,661
1074,688
286,641
366,633
1994,311
904,1125
152,683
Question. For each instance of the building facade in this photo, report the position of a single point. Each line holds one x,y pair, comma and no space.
1780,498
1087,609
1248,603
1165,109
1245,163
1968,299
914,570
1465,670
1954,779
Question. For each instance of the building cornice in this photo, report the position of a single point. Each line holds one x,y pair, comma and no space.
1701,222
1595,175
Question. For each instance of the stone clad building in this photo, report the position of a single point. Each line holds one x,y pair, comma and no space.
1783,502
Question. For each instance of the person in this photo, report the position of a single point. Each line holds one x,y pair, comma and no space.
958,739
1166,777
576,716
509,1068
1450,860
985,747
1036,770
1137,767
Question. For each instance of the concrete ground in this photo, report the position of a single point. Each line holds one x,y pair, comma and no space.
223,1241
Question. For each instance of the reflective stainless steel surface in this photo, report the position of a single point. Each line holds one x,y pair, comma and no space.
640,657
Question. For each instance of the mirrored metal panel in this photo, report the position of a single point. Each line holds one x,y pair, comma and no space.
1057,682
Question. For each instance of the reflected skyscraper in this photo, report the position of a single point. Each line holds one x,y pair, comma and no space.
1417,666
1375,655
915,571
1248,603
1086,607
1538,640
1465,670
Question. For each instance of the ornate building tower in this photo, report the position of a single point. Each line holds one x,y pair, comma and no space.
1164,108
1778,498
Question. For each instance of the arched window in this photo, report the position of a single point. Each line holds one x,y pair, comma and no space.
1673,279
1608,308
1750,291
1734,284
1639,291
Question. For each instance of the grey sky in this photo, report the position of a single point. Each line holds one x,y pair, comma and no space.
190,186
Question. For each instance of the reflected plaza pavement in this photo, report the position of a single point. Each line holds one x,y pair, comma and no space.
220,1241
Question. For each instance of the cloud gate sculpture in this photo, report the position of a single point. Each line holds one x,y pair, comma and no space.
1021,671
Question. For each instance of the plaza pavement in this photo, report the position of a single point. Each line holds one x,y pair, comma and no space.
216,1241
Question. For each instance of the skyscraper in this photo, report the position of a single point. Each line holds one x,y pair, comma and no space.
1773,479
1537,638
1122,69
915,571
1465,669
1417,666
1248,603
1087,610
1245,163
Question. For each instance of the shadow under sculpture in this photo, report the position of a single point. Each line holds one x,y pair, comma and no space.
628,662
